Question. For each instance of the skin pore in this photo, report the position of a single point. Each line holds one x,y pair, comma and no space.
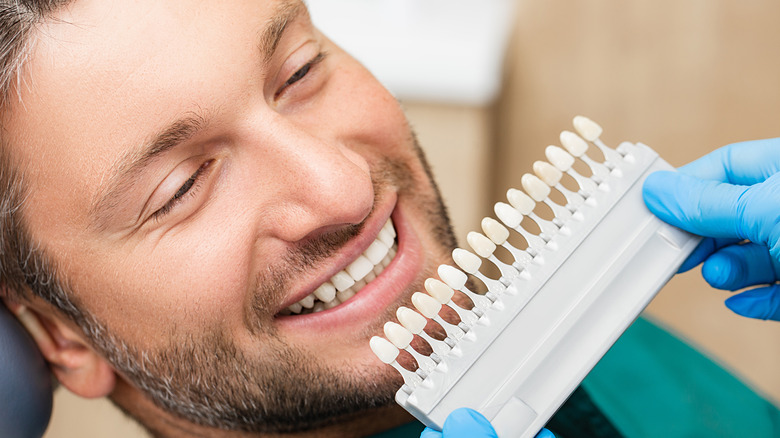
193,169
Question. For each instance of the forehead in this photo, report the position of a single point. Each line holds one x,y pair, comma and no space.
104,74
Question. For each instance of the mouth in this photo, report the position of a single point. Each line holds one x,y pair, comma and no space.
351,280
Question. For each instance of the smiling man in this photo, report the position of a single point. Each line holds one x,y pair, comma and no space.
209,209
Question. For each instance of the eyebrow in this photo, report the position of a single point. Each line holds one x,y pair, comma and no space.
128,167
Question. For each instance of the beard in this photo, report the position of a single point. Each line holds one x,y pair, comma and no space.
208,380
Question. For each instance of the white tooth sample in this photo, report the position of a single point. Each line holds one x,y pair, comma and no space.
307,302
587,128
535,187
359,268
466,260
438,290
494,230
319,306
508,215
390,227
454,277
398,335
520,201
426,305
559,158
547,173
344,295
342,281
573,143
411,320
481,244
386,237
295,308
384,349
326,292
376,252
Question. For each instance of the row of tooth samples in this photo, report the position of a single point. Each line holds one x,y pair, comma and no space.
536,189
348,282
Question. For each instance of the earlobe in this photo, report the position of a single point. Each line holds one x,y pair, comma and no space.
75,365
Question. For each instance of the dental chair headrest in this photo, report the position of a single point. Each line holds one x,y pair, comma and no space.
25,382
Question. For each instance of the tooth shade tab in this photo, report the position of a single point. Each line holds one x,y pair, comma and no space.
547,173
398,335
411,320
523,203
535,187
453,277
438,290
426,305
573,143
384,350
559,158
587,128
481,244
508,215
466,260
494,230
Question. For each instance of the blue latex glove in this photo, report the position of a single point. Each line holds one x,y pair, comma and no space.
468,423
732,197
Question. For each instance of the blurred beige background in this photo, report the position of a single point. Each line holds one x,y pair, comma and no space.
681,76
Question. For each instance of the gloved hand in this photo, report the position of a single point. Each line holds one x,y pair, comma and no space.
468,423
732,197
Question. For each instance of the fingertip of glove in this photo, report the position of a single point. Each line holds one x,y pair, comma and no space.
721,271
762,303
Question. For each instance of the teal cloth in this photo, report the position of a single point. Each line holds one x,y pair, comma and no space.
651,384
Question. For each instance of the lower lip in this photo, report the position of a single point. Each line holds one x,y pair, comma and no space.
374,298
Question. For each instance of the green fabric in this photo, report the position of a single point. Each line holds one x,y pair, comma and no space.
650,384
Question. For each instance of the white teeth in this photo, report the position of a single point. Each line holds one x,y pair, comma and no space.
295,308
547,173
573,143
369,277
307,302
389,227
428,306
587,128
494,230
342,281
508,215
466,260
319,306
559,158
397,334
359,268
411,320
454,278
376,252
344,295
520,201
535,187
384,350
378,269
386,237
326,292
438,290
335,302
481,244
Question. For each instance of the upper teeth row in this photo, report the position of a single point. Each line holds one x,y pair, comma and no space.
347,282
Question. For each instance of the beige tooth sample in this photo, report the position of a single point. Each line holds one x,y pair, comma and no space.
587,128
383,349
342,281
326,292
481,244
438,290
424,303
466,260
535,187
411,320
523,203
359,268
494,230
508,215
376,252
453,277
398,335
573,143
547,173
559,158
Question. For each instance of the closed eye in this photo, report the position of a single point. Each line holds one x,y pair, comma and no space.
302,72
188,189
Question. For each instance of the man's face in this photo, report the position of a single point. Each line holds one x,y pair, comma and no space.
195,169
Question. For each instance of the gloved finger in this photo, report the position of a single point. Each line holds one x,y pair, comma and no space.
738,266
465,422
430,433
744,163
703,250
706,208
544,433
759,303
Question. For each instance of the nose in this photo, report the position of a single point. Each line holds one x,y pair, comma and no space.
322,185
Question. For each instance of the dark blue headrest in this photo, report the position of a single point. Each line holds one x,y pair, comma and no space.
25,382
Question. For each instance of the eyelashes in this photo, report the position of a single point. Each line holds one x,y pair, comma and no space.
301,72
189,188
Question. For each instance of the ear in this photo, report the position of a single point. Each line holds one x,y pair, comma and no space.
72,360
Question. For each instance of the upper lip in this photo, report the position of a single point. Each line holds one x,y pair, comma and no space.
346,255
